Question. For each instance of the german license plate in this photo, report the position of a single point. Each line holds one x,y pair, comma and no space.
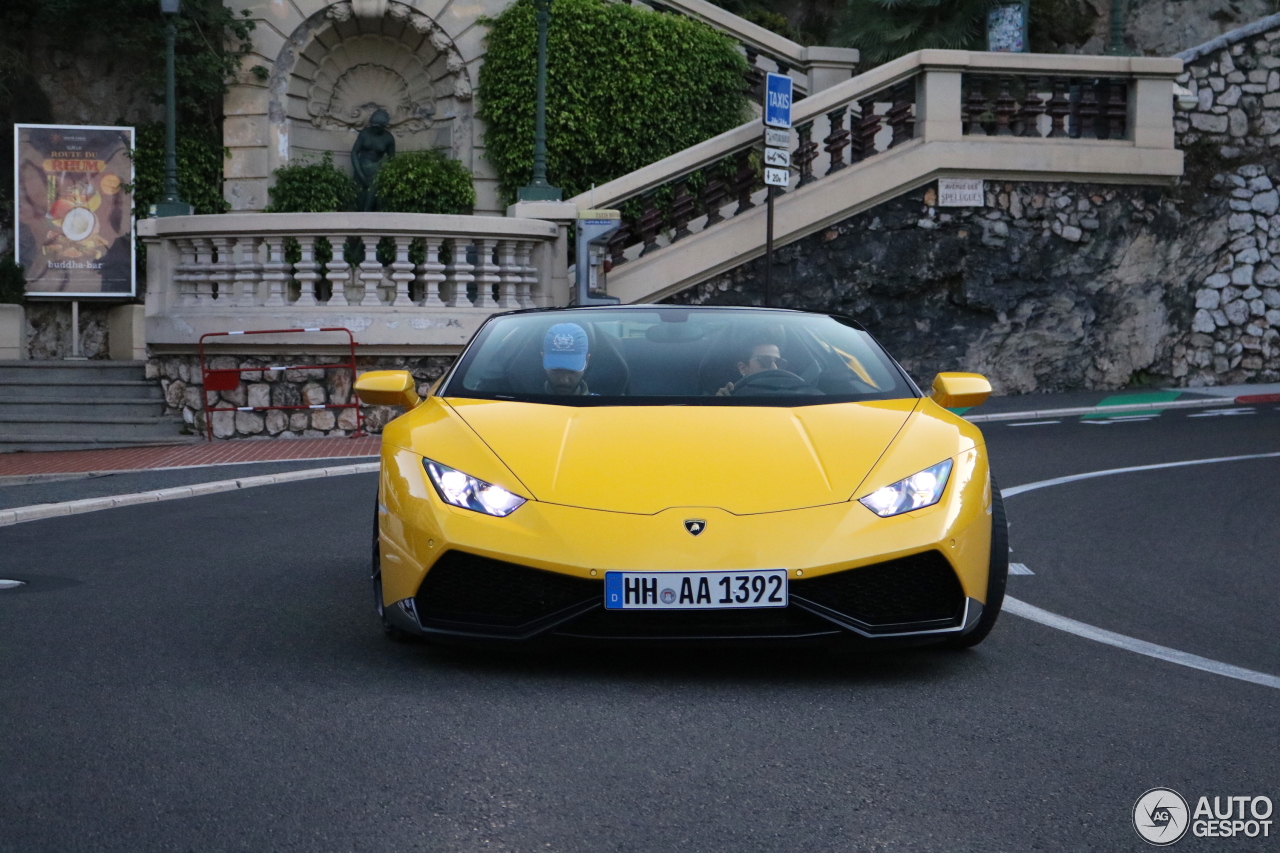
695,590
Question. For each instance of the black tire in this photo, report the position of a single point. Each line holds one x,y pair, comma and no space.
997,576
391,631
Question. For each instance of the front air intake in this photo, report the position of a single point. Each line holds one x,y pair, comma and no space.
919,591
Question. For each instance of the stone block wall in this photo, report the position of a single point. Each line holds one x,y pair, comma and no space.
181,379
49,330
1231,136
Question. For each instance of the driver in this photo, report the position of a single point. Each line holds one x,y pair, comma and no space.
565,354
764,373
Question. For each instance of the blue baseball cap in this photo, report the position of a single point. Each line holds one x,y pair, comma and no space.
564,347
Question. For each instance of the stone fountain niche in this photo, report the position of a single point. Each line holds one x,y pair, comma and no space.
357,57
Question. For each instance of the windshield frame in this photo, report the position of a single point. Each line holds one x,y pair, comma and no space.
447,389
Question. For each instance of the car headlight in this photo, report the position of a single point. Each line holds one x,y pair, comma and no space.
915,492
463,490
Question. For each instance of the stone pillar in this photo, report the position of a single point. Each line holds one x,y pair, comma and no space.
246,132
938,107
126,333
1151,112
13,332
829,66
551,258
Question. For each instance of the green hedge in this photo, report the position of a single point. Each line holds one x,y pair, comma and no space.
424,182
318,187
626,87
199,155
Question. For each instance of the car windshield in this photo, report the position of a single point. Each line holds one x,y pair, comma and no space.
673,355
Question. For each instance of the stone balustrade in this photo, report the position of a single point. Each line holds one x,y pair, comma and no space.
396,280
928,114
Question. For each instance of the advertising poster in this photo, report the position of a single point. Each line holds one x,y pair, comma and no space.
74,210
1007,28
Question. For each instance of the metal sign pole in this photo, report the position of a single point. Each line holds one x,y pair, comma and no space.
768,250
75,329
777,160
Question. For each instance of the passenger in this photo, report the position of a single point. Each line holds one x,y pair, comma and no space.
764,374
564,357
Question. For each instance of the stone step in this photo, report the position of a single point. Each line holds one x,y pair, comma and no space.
19,426
32,443
129,390
92,407
75,372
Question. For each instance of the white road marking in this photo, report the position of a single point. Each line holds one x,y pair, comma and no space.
1072,478
1035,423
4,584
1133,418
1132,644
17,515
1093,410
1222,413
1019,569
1142,647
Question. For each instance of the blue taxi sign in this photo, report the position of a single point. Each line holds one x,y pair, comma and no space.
777,100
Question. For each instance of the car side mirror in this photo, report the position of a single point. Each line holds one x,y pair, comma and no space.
387,388
960,390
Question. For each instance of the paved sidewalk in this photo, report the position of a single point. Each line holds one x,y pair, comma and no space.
187,455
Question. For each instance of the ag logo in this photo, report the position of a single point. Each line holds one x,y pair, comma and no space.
695,525
1160,816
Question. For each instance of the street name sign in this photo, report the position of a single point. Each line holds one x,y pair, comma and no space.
961,192
777,138
777,100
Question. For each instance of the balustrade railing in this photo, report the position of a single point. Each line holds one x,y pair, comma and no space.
1051,106
262,264
828,139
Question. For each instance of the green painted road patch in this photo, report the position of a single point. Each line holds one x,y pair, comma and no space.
1121,404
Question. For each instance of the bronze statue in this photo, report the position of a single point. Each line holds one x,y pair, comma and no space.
374,144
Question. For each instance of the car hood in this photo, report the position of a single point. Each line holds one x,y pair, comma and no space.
645,459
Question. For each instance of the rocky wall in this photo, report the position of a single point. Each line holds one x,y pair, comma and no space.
49,330
181,379
1060,287
1048,287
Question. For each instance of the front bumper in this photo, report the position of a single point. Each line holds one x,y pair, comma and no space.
539,573
468,597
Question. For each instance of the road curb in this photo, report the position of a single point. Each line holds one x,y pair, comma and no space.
36,512
33,479
1122,409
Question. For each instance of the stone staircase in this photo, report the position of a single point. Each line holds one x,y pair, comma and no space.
75,405
927,115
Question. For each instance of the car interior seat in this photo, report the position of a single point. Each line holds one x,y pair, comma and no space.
607,373
720,364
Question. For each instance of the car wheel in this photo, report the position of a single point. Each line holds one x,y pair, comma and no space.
997,576
387,628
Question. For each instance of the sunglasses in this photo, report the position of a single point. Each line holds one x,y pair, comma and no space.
773,361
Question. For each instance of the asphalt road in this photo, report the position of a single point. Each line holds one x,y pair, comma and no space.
206,675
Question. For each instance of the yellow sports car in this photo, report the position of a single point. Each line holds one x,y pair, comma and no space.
648,472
